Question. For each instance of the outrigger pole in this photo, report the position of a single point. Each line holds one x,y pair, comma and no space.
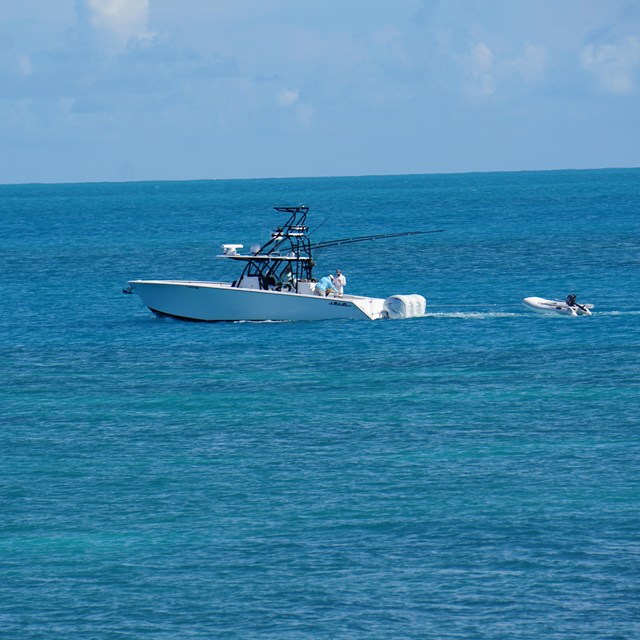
333,243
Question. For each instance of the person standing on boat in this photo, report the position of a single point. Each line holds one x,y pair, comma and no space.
324,286
339,282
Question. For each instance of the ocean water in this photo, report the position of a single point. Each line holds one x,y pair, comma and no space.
470,474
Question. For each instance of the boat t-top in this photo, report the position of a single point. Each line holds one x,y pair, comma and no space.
276,283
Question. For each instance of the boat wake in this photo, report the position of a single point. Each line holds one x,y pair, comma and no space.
472,315
258,321
484,315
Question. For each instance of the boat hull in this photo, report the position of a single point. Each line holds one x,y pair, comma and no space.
220,302
556,307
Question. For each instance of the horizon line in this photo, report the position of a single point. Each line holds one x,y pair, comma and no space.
317,177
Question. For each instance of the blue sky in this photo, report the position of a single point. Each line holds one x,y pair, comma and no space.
94,90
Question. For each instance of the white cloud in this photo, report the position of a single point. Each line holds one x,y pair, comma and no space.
480,66
303,112
481,59
119,21
532,63
614,65
486,75
287,97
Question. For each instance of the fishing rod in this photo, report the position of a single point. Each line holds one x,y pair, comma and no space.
314,230
334,243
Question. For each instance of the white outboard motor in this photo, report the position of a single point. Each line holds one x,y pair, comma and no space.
409,306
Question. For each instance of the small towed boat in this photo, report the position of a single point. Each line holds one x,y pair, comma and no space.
568,307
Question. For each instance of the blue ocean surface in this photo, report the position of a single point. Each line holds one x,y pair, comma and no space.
470,474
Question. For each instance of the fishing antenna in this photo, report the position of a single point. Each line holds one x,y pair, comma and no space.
379,236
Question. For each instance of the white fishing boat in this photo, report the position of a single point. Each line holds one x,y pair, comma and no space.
276,283
568,307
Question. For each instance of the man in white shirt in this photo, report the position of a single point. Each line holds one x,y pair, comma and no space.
339,281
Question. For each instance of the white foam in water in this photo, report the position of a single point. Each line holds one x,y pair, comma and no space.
473,315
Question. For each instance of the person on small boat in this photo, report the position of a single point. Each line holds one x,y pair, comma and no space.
571,301
339,282
324,286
